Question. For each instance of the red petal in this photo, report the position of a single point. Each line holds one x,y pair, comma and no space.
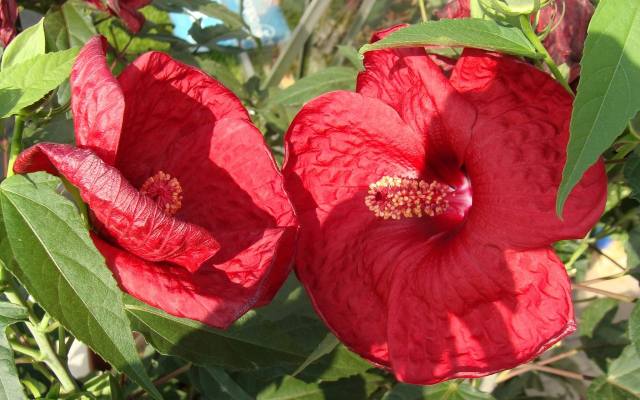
410,82
133,220
517,153
215,295
8,16
566,41
170,106
337,145
97,102
455,9
466,309
129,14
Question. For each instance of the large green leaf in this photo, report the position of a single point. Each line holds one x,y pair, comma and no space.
276,339
68,25
328,344
477,33
60,267
607,93
25,46
622,381
23,84
10,388
448,390
328,79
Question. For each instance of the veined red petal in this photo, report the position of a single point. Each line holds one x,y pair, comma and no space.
97,102
336,146
131,219
169,106
216,295
410,82
517,153
465,308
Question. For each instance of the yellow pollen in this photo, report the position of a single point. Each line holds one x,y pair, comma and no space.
394,198
165,191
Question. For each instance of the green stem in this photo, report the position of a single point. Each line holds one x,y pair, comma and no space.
62,344
28,351
16,143
49,356
423,11
528,31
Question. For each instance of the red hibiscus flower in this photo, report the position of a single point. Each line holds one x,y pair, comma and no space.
8,16
569,18
426,207
187,205
126,10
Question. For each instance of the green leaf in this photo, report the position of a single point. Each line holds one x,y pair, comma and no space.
352,55
326,80
632,174
328,344
25,46
622,382
68,26
593,315
10,388
602,338
276,340
447,390
607,98
477,33
68,278
634,327
226,385
291,388
23,84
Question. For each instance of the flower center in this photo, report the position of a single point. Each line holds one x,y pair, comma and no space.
394,198
165,191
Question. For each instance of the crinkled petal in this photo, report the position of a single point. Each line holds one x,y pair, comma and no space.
465,309
337,145
230,183
410,82
97,102
131,219
212,295
517,153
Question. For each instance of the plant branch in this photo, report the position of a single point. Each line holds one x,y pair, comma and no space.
163,379
16,143
49,356
527,29
423,11
616,296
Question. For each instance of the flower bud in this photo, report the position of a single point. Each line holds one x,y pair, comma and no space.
513,8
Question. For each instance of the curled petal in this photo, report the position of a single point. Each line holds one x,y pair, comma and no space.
215,294
412,84
337,145
516,155
131,219
482,309
97,102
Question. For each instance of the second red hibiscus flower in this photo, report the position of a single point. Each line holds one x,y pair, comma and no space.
427,213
